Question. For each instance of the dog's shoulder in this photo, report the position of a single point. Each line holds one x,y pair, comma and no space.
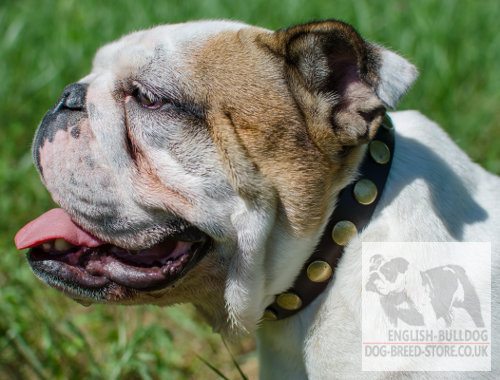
441,192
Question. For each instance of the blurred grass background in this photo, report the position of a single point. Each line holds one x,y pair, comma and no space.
45,45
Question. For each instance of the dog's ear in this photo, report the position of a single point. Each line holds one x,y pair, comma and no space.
401,264
335,75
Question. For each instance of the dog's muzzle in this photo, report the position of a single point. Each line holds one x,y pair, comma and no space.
68,111
67,257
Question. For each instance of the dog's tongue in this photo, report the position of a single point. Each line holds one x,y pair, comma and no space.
54,224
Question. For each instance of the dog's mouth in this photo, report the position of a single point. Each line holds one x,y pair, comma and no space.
70,259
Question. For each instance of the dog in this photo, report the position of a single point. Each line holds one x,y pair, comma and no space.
432,296
201,162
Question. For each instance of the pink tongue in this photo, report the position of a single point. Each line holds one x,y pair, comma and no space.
54,224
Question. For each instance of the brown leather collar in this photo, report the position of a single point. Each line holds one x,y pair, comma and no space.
355,207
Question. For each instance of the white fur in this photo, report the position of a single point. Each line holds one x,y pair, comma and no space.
171,37
396,76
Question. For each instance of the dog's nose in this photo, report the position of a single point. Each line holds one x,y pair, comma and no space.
73,97
67,112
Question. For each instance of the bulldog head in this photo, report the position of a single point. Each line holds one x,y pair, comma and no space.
199,162
387,275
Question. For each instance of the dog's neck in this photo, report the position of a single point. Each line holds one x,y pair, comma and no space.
355,206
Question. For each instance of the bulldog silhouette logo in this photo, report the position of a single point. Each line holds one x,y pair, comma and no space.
422,298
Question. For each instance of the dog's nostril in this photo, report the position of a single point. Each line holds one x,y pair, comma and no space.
73,96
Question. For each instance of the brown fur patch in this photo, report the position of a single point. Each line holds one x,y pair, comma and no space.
273,132
259,131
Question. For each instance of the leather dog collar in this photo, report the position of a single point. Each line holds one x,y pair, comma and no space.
356,204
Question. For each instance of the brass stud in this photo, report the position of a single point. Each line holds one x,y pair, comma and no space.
365,191
343,231
289,301
319,271
379,152
269,315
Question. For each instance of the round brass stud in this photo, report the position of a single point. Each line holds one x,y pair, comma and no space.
269,315
365,191
379,152
319,271
343,231
289,301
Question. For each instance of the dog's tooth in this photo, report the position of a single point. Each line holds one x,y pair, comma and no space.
61,245
46,246
170,269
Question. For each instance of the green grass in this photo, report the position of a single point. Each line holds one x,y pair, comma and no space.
45,45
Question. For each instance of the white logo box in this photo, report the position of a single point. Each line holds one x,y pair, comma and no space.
426,306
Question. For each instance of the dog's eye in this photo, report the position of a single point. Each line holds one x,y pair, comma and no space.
147,101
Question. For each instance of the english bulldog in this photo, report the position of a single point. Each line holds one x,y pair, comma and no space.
422,298
201,162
